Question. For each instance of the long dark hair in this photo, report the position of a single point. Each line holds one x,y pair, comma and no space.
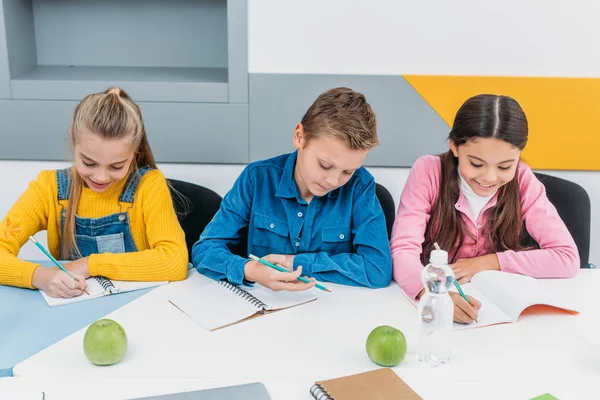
481,116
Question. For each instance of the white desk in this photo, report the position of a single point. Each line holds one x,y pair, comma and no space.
291,349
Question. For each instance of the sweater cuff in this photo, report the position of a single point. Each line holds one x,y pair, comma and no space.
93,265
27,275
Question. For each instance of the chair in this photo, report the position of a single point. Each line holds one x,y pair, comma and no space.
573,205
195,210
388,206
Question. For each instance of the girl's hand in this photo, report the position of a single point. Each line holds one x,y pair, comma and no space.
464,313
79,267
273,279
57,283
465,268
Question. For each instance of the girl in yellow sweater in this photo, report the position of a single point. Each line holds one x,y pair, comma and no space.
111,213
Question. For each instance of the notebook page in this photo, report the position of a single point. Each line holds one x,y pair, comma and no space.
94,289
489,313
212,305
130,286
513,293
281,299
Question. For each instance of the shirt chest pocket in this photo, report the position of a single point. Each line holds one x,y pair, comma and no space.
336,240
270,236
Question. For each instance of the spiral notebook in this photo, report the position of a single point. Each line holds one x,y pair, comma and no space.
230,303
380,384
99,286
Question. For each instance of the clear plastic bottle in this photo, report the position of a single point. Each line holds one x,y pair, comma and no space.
436,311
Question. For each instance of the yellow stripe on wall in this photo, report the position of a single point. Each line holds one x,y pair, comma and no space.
563,113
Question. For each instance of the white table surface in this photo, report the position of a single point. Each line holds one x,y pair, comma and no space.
290,349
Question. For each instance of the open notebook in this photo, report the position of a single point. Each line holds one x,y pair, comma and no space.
504,296
231,303
99,286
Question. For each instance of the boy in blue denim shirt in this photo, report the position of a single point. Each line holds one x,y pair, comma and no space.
314,211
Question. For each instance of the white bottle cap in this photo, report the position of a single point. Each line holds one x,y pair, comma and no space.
438,257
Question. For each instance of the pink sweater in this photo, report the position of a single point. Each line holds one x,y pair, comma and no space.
556,258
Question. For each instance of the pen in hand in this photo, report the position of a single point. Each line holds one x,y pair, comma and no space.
47,253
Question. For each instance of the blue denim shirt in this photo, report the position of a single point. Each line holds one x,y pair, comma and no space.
340,237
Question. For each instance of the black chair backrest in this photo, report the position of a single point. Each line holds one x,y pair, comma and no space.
195,210
573,205
388,206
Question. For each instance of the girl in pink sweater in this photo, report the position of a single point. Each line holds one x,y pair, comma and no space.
476,201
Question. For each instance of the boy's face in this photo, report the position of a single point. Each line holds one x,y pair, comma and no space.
324,163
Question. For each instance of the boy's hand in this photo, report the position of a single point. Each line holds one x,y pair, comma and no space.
273,279
57,283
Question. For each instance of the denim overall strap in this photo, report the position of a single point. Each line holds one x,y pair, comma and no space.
63,182
132,184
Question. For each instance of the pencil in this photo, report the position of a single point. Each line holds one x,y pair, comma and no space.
47,253
460,291
278,268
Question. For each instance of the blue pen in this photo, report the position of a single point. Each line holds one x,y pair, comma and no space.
278,268
47,253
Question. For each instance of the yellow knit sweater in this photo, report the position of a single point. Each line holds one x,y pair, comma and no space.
162,252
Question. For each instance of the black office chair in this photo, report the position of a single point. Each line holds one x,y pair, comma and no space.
388,206
573,205
196,206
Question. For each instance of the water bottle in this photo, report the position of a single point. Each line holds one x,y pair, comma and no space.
436,311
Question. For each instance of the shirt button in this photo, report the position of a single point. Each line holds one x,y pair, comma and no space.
297,244
478,226
272,226
299,215
342,236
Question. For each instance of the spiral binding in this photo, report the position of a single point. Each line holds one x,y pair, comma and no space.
106,284
319,393
244,295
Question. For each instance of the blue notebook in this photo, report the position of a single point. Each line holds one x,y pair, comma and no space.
250,391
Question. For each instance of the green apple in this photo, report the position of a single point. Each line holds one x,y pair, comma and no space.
386,346
105,342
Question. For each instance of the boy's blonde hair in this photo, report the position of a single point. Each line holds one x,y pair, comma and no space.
111,115
344,114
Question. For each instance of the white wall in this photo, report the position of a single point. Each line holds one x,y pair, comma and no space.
462,37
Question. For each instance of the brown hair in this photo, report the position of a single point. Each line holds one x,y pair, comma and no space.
344,114
110,115
481,116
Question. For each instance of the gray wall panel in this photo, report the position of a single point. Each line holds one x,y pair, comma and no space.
132,33
20,39
4,70
407,126
178,132
198,133
237,25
